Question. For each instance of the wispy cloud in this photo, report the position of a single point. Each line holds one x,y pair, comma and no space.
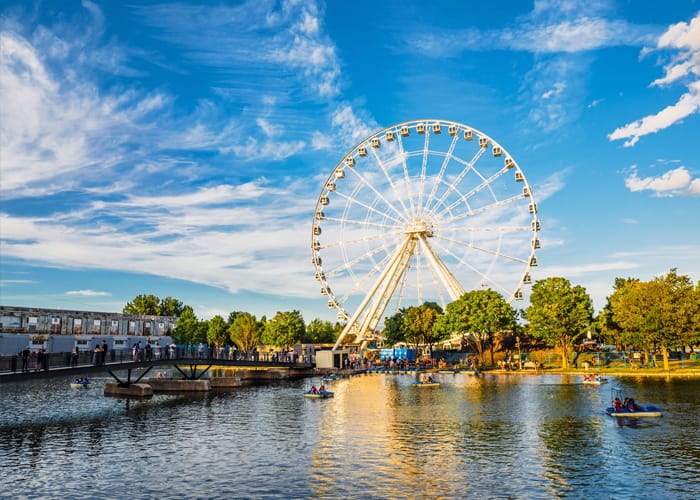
88,293
681,42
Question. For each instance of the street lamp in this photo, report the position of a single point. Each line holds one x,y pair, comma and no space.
520,357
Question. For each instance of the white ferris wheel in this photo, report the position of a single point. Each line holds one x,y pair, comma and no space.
421,211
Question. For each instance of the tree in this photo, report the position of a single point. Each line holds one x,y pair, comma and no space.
479,316
320,332
393,328
284,330
217,331
186,327
559,314
418,323
170,307
605,322
660,314
245,331
145,305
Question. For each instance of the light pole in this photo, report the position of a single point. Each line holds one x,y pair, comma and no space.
520,357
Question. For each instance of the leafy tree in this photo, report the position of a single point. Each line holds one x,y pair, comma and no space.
559,314
217,331
186,327
479,316
662,313
284,330
232,316
393,328
245,331
418,323
170,307
320,332
605,321
146,305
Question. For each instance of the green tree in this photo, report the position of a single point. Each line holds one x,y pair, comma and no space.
284,330
170,307
479,316
559,314
217,331
146,305
319,332
186,327
245,332
418,323
605,321
393,328
658,314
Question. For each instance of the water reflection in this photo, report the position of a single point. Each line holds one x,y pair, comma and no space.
495,436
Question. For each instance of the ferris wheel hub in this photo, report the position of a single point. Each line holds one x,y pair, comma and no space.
419,226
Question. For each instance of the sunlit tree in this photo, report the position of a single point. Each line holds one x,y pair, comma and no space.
284,329
146,305
217,331
479,316
659,314
187,327
559,314
319,332
245,331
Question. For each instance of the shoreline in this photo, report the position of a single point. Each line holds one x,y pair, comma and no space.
640,372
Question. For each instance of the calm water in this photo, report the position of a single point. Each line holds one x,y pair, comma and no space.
497,436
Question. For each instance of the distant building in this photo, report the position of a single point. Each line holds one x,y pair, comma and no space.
49,327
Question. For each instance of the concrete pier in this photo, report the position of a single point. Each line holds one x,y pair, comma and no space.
133,390
225,382
178,385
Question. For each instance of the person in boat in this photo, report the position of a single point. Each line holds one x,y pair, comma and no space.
322,389
313,390
430,379
632,406
617,404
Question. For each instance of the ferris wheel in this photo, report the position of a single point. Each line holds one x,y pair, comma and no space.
421,211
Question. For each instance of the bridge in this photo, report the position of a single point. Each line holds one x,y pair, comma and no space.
191,367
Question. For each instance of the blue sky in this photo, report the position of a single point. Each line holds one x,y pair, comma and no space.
180,148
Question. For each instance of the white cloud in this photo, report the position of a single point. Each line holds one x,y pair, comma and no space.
88,293
557,90
684,40
673,182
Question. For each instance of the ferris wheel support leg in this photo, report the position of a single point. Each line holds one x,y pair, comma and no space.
391,281
448,279
392,263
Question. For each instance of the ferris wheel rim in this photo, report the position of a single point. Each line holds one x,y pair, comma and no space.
354,153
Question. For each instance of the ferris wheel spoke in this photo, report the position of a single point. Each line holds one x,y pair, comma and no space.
438,179
483,276
468,167
424,165
382,166
476,211
355,201
406,175
363,223
478,248
485,184
366,239
378,194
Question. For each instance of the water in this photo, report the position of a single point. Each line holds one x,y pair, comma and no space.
495,436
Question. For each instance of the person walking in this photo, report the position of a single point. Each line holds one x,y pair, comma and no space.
104,352
25,359
75,353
